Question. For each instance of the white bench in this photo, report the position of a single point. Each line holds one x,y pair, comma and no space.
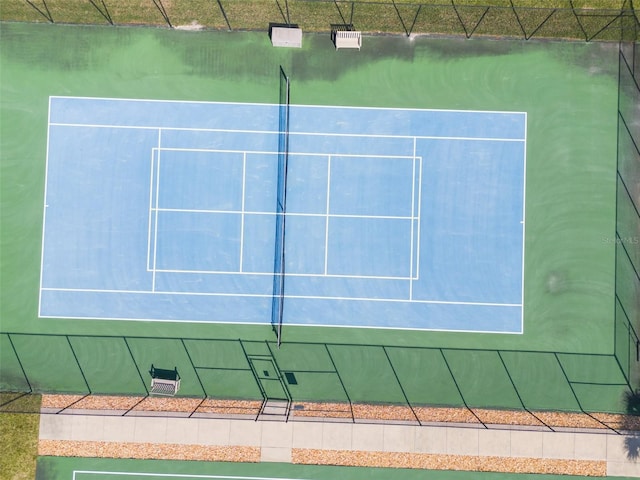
347,39
164,382
286,37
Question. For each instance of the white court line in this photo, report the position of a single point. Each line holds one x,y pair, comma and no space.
289,214
333,134
413,157
299,154
417,277
326,227
176,475
202,102
270,295
155,232
375,327
524,202
226,322
153,153
44,209
276,132
287,274
408,137
244,176
413,199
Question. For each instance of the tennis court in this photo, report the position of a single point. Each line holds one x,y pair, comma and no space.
142,217
395,218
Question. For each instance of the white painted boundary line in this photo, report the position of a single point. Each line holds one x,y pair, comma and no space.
524,203
419,215
242,212
413,206
244,179
301,154
292,214
45,206
524,140
151,190
173,475
326,225
270,295
321,325
202,102
271,274
155,226
275,132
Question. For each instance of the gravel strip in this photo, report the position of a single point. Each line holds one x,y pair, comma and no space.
383,412
152,404
230,407
442,414
506,417
168,404
571,420
105,402
59,401
619,422
343,411
448,462
322,410
155,451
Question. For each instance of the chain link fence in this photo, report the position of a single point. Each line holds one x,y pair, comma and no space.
557,19
340,376
627,239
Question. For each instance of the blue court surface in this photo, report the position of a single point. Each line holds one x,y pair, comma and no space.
395,218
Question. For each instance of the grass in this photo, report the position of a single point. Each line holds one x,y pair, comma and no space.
18,438
376,16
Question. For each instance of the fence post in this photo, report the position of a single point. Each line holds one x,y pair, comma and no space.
104,13
46,13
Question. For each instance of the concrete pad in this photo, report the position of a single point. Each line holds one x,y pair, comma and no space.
367,437
494,443
245,433
337,436
85,427
119,429
182,431
54,427
275,454
213,431
526,444
430,440
462,441
150,429
622,448
48,410
399,438
623,469
286,37
558,445
277,434
307,435
591,446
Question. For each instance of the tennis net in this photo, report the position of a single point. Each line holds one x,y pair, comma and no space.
277,302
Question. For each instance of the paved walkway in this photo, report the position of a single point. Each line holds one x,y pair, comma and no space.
277,439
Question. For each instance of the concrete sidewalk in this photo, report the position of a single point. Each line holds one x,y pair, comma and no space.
276,440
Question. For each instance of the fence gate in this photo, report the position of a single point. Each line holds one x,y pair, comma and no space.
277,401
